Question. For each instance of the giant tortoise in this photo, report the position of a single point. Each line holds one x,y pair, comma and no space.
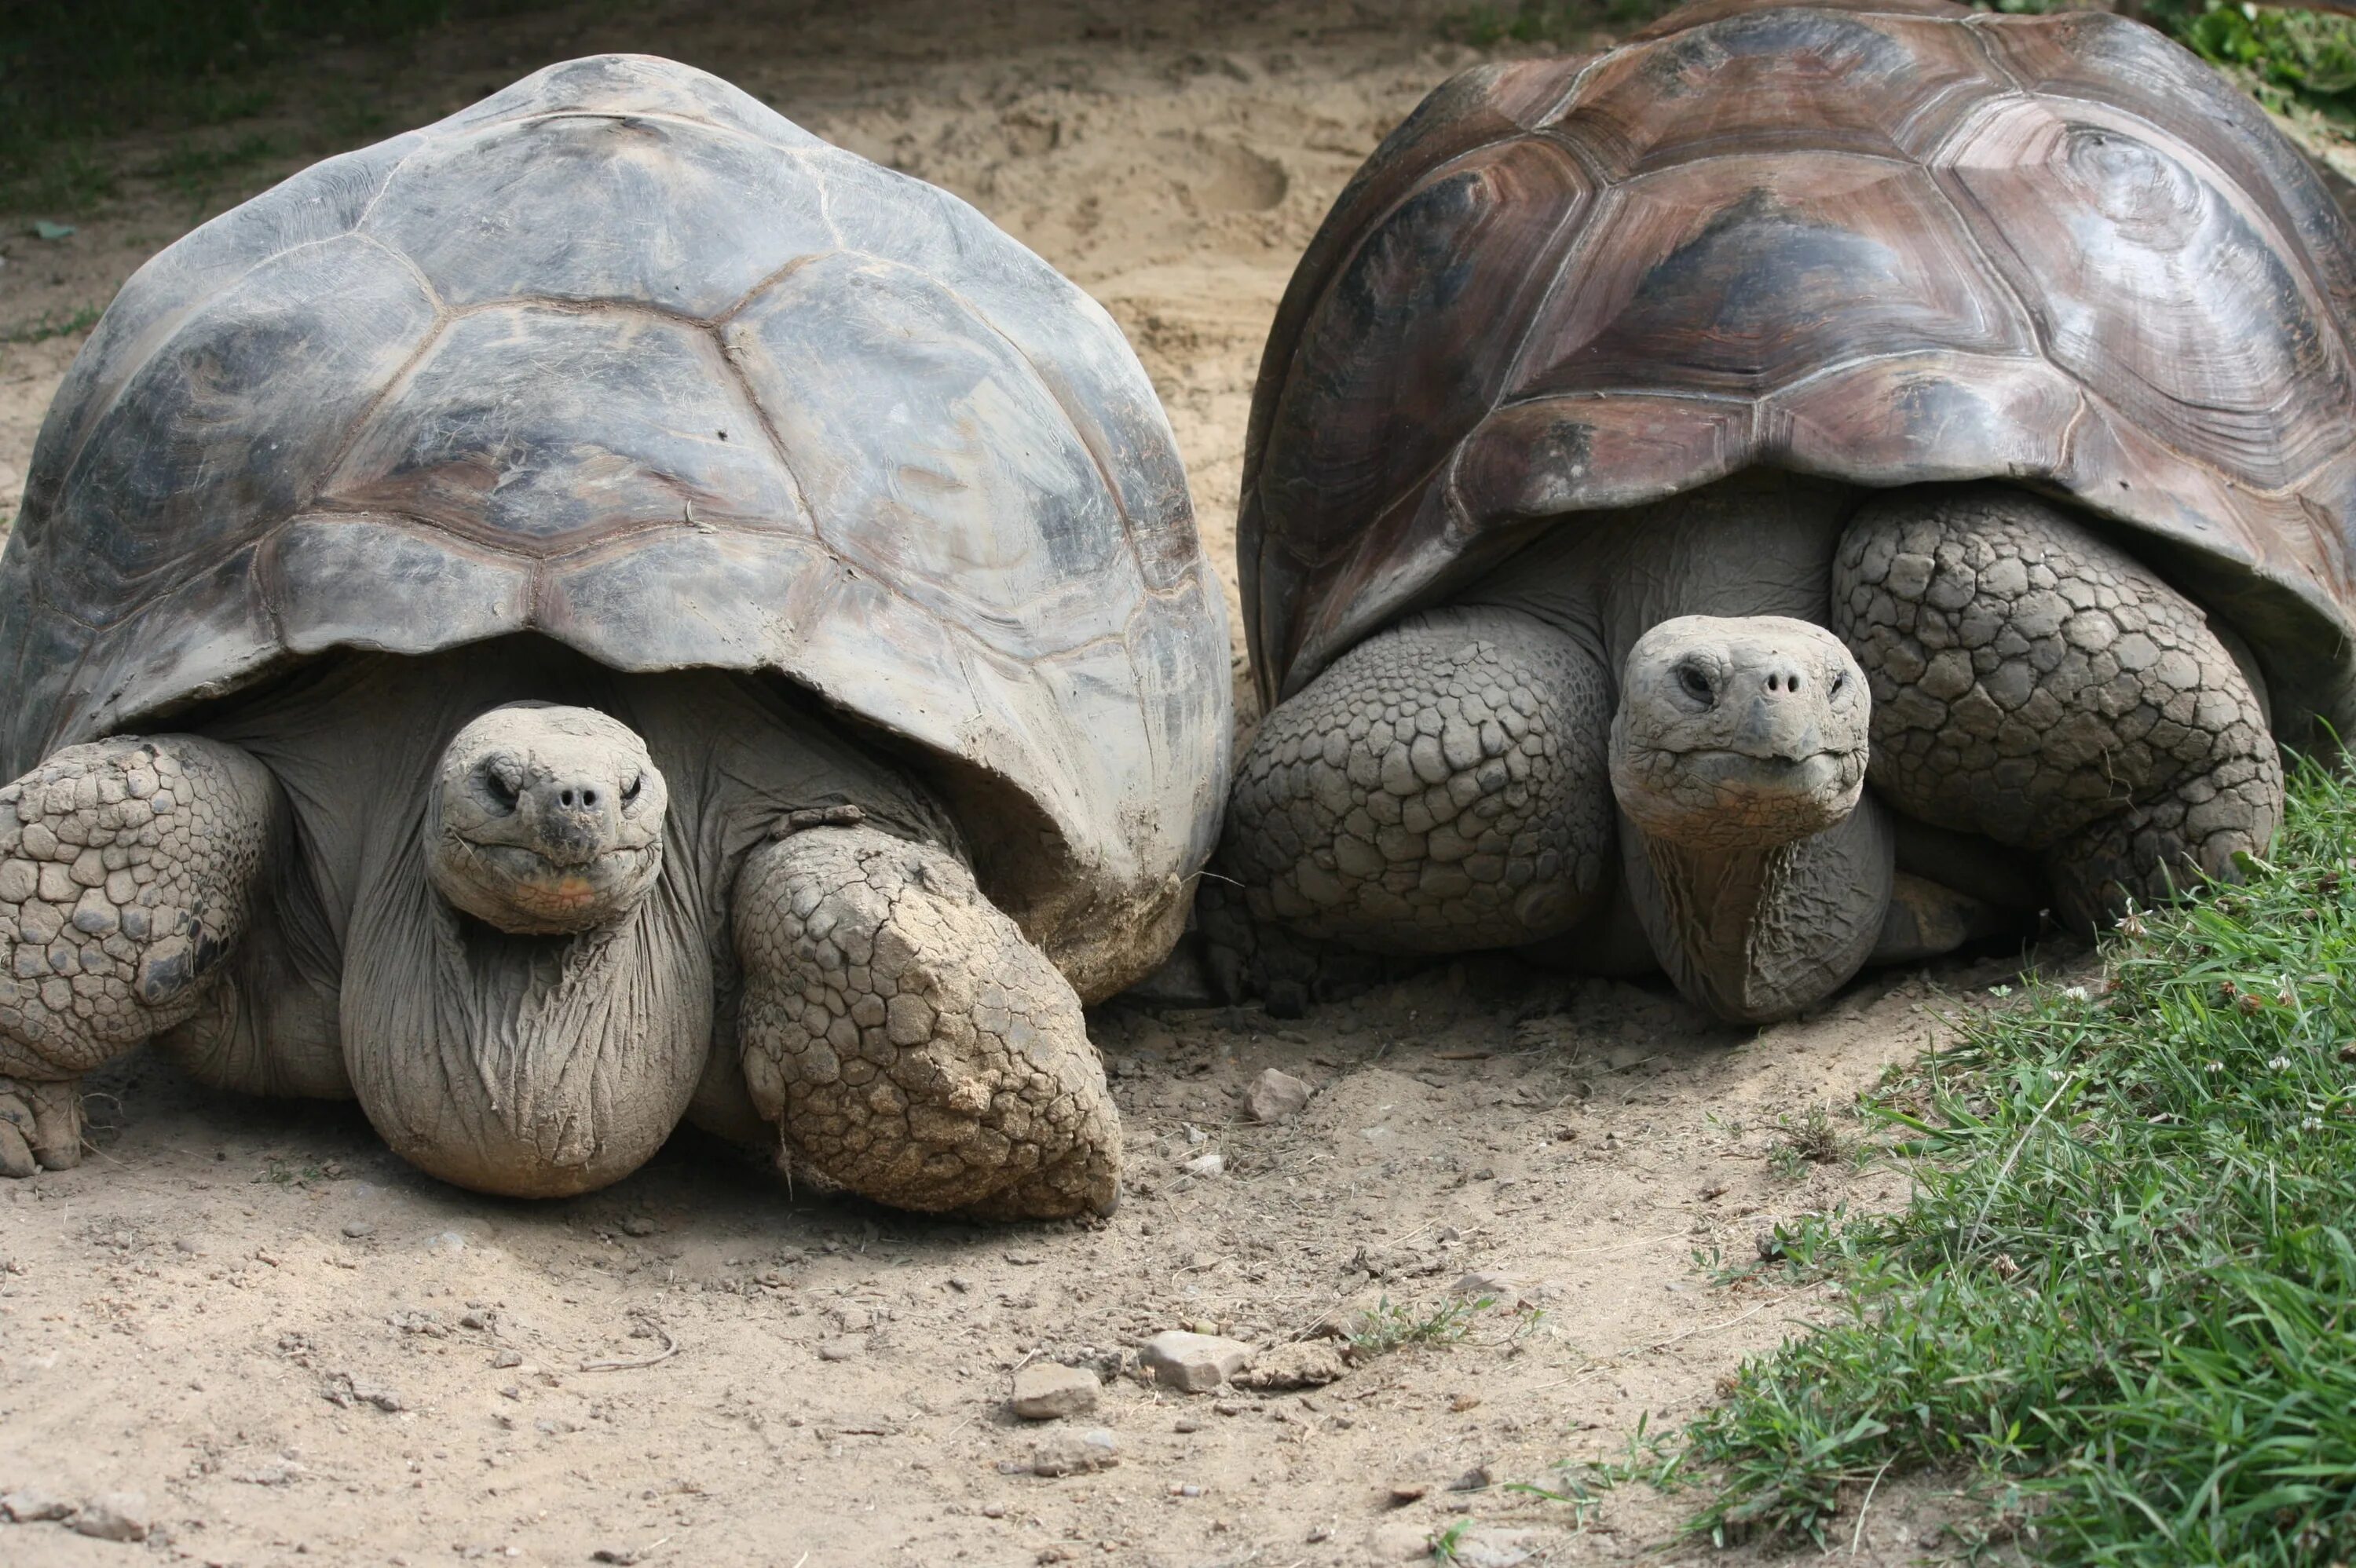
602,610
1812,484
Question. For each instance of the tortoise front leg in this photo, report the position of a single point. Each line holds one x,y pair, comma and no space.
128,871
907,1039
1440,789
2035,684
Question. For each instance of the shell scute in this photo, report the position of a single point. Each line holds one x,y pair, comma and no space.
1384,347
1872,86
625,84
1746,274
1074,350
533,430
934,455
581,207
2226,356
237,414
340,580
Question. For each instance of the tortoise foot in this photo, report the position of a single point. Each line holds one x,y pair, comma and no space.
128,871
907,1040
41,1125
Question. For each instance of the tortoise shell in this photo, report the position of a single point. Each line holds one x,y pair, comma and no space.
1882,242
621,357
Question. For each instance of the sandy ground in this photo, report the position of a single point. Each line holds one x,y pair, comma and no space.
299,1350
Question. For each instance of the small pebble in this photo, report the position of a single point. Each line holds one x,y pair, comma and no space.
1076,1453
1193,1363
638,1225
31,1505
841,1347
114,1516
1275,1095
356,1229
1046,1390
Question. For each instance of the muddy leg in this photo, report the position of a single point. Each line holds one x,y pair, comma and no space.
908,1040
128,869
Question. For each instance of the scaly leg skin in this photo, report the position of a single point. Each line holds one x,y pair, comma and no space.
907,1039
1442,788
128,867
2035,684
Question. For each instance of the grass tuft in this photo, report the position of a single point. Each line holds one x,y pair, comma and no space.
1387,1325
2122,1301
49,324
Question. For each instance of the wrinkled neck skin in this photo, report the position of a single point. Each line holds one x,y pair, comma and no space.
533,1066
1757,935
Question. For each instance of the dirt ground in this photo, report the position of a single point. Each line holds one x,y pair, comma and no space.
300,1350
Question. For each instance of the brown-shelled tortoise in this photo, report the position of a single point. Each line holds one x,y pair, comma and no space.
1805,487
606,609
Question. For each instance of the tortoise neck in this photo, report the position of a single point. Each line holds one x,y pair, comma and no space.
530,1066
1754,934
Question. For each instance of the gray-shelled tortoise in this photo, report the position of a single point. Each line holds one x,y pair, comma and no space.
608,609
1806,486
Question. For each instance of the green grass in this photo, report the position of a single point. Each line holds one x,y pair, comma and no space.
2283,59
73,76
1388,1326
46,325
2121,1304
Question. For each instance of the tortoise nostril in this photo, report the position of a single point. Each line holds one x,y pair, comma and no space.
589,797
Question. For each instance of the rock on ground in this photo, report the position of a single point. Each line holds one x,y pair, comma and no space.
31,1505
1306,1364
1193,1363
1276,1094
114,1516
1076,1453
1045,1390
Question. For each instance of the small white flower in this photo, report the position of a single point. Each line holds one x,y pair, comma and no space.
2075,993
2216,1067
2310,1124
1999,990
2280,1064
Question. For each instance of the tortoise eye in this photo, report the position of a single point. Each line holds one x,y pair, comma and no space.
1694,684
504,794
630,790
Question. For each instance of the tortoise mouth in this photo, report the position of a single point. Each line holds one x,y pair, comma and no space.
1719,798
526,893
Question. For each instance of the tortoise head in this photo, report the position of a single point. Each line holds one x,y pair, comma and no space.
1739,733
545,820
